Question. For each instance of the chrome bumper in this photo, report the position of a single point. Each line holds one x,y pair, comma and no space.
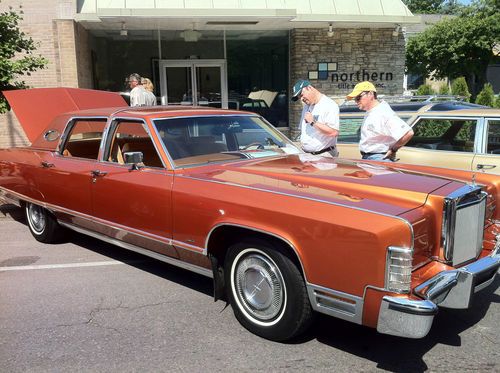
451,289
455,288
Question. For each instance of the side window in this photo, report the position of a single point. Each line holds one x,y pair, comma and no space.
444,134
84,139
493,146
132,137
349,130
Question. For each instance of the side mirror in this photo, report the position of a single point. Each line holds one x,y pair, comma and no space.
134,158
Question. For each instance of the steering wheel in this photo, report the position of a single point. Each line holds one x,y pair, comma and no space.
257,145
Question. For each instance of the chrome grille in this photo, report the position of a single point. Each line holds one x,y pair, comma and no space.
463,224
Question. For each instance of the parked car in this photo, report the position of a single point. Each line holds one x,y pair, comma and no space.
282,234
447,134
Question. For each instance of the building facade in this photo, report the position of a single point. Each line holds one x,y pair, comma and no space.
223,53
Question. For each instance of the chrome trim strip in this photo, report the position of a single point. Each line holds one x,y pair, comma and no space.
140,250
309,199
405,317
4,194
68,128
205,250
331,303
142,234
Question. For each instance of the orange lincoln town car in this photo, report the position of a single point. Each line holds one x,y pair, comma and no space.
283,234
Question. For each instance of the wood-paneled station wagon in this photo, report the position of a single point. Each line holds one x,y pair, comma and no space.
283,234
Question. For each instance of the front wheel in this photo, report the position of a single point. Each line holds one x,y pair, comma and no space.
266,290
42,224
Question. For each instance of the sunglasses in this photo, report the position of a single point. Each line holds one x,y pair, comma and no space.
358,97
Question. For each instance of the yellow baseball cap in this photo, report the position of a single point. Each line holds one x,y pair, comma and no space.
361,87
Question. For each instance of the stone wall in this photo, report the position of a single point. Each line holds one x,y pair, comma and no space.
359,54
50,24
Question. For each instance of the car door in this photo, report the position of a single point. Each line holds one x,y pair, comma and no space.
65,175
132,203
442,142
488,159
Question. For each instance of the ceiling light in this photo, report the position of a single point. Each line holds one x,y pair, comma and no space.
190,35
330,30
123,31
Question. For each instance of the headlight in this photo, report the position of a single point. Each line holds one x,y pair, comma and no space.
398,269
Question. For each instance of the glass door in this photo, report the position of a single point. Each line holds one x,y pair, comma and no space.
193,82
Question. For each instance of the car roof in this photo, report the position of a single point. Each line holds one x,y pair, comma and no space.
419,106
472,112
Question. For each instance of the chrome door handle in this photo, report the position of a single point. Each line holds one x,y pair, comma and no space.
46,164
97,173
485,166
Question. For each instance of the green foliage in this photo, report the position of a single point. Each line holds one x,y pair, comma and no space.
458,46
497,102
444,89
433,6
425,90
486,96
16,55
459,88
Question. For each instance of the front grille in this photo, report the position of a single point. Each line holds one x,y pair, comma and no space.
463,224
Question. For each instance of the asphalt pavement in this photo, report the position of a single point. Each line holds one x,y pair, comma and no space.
84,305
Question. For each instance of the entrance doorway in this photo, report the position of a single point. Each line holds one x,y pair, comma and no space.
194,82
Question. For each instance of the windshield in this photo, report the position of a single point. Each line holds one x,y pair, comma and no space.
192,141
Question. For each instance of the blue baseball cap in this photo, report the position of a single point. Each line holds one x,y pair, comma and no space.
297,88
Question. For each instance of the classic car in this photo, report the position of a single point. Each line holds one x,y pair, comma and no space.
455,135
283,234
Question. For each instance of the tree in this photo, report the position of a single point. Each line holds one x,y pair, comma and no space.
16,55
433,6
425,90
444,89
459,88
486,97
459,46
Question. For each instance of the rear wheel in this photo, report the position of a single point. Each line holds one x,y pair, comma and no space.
42,224
266,290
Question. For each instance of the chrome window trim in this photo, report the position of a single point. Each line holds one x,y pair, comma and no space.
478,120
450,204
69,127
486,124
110,130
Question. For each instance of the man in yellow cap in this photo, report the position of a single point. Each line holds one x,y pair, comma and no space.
382,131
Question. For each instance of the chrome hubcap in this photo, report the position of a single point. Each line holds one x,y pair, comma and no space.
36,218
259,286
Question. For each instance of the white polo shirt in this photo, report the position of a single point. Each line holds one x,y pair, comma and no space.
325,111
381,128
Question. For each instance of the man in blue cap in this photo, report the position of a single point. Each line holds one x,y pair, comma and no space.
319,122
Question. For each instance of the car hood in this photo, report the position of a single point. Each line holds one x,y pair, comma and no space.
370,186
